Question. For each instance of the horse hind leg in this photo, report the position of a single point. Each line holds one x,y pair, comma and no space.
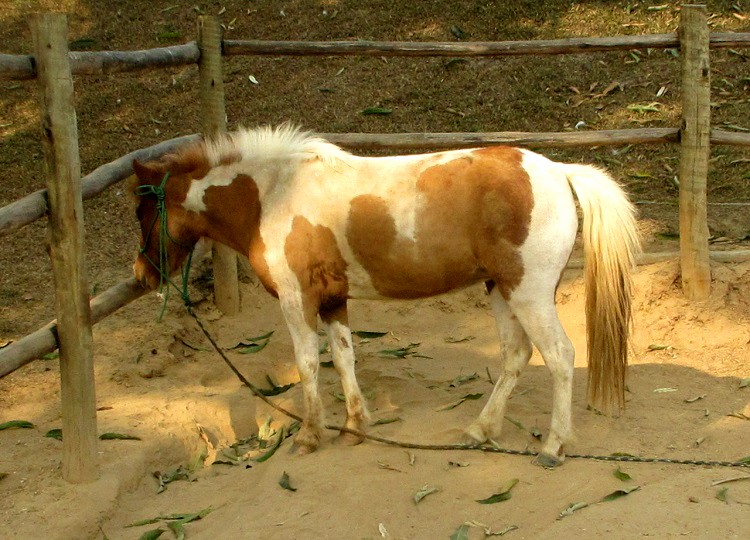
537,314
515,352
340,339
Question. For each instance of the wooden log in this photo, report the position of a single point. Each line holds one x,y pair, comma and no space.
724,40
43,341
21,67
102,62
489,48
732,138
33,206
694,151
423,141
18,67
226,281
63,171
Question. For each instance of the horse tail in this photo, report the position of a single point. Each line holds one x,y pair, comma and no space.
610,244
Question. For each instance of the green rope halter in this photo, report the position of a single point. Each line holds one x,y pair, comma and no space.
162,267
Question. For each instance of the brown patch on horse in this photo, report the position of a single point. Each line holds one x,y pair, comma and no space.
314,257
235,222
474,215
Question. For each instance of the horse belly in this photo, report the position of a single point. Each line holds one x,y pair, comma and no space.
411,277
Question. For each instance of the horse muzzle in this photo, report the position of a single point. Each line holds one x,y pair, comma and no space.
145,274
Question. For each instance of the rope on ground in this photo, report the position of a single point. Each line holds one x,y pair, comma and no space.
416,446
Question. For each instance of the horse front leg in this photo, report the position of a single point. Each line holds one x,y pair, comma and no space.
305,342
340,339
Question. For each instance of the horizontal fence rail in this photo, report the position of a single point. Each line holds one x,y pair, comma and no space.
34,206
44,340
21,67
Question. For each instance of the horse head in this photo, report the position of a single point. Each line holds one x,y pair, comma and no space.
168,230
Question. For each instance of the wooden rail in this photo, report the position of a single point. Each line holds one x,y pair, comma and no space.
34,206
21,67
43,341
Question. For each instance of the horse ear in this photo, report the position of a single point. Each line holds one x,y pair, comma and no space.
147,172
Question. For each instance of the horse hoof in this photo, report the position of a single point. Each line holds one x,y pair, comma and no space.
349,439
474,435
548,461
303,449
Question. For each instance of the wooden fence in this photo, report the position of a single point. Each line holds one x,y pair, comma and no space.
53,66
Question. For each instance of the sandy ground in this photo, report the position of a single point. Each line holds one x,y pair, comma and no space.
153,384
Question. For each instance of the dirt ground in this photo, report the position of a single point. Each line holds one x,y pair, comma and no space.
159,382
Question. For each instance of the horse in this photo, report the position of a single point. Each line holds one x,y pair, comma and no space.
320,226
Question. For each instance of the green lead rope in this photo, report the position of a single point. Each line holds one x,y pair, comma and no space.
162,266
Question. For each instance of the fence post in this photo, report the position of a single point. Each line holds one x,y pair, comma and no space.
63,173
226,284
694,151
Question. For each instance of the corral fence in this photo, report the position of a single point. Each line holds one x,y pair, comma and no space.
53,66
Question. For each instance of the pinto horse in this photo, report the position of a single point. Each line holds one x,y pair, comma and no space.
320,226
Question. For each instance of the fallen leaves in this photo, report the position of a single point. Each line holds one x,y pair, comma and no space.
618,493
502,495
16,424
175,522
454,404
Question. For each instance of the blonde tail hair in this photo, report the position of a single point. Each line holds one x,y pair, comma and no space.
610,244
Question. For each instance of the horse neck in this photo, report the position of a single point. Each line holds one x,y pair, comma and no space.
232,213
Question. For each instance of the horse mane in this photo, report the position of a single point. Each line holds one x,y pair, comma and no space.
268,144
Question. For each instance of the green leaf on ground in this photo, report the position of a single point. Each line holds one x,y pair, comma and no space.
271,451
502,495
458,340
572,507
403,352
16,424
383,421
275,389
722,494
463,379
621,475
453,405
152,534
54,434
651,107
365,334
619,493
118,436
284,482
142,522
378,111
423,492
178,529
180,473
253,344
462,533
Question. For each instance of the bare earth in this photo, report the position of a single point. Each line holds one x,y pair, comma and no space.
159,381
151,383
